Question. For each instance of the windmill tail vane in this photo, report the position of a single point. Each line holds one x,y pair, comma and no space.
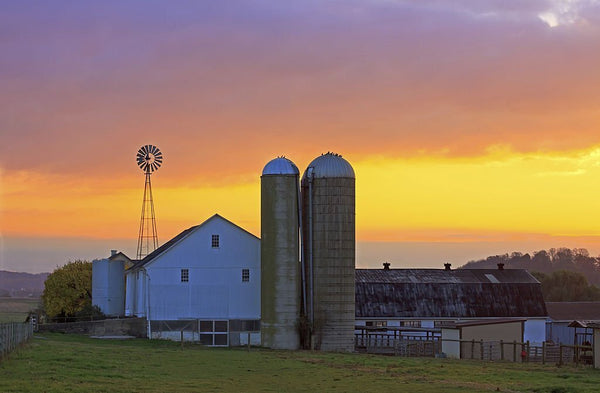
149,158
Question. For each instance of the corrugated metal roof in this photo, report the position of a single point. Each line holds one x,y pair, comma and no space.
571,311
330,165
435,293
280,166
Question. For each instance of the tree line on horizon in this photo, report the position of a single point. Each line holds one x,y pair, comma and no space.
565,274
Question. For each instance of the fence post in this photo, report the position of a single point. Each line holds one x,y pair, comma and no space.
515,351
544,352
527,357
560,354
501,349
481,349
473,349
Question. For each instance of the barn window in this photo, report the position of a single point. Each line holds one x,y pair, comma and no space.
443,323
185,275
245,275
411,323
215,241
376,323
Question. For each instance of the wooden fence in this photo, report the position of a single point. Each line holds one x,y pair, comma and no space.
12,335
422,346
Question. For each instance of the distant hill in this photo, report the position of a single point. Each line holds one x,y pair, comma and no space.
15,284
555,259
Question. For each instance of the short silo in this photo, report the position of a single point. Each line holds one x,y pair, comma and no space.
108,285
280,265
328,219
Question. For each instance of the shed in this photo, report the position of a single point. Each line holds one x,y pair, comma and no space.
487,339
563,314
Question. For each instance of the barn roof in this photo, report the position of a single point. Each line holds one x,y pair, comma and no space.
148,258
435,293
571,311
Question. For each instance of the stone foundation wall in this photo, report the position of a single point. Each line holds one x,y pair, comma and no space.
136,327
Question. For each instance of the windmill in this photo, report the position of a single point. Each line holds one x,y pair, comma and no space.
149,159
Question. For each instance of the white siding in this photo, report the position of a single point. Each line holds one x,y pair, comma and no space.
535,331
215,289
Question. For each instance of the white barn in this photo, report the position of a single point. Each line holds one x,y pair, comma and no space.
203,284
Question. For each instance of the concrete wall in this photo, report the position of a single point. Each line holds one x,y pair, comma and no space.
333,256
136,327
451,348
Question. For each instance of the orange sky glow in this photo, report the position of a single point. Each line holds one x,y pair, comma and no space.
472,126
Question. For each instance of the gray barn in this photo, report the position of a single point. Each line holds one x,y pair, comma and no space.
431,298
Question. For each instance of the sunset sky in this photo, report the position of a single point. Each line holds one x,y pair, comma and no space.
473,126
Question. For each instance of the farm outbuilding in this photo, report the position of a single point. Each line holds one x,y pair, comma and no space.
108,283
463,340
561,328
202,285
434,298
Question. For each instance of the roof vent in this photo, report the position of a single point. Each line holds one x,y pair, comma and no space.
447,266
386,266
500,266
113,252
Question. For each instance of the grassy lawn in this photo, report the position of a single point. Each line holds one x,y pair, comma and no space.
71,363
15,309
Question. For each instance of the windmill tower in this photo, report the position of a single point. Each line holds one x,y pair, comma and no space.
149,159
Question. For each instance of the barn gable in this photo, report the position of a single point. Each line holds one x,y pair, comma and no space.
214,221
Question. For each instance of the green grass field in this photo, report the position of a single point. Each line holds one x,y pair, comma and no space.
15,309
71,363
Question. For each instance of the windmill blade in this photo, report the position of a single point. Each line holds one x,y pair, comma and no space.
158,154
159,160
154,149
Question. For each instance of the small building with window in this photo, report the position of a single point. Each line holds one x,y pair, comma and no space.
413,300
203,284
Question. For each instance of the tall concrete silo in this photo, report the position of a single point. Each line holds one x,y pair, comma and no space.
328,217
280,265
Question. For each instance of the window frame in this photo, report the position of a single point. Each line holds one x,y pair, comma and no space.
184,275
215,241
245,275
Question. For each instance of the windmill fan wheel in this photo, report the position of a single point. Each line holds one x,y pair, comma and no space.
149,158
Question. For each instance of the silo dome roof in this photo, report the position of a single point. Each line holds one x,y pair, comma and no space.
280,166
331,165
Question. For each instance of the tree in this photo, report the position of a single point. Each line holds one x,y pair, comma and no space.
68,290
566,286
